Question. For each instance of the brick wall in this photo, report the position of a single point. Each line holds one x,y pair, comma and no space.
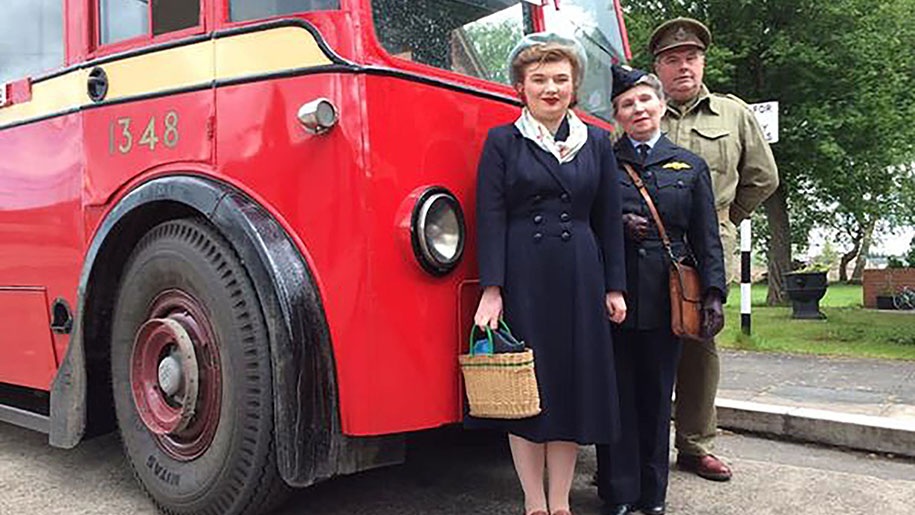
885,282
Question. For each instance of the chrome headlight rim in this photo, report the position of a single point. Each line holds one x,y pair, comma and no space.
429,259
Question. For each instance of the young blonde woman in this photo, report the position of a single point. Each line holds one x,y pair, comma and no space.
551,264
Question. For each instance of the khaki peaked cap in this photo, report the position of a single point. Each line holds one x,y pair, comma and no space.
679,32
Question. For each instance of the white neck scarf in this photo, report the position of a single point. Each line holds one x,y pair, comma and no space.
563,151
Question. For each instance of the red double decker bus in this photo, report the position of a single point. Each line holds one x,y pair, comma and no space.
237,230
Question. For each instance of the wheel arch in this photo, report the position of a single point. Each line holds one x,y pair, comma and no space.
306,419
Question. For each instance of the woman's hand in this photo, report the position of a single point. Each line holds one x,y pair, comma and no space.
636,226
616,306
489,311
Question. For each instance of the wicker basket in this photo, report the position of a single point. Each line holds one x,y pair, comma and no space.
501,385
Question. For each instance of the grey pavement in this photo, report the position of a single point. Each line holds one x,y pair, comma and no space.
450,472
866,404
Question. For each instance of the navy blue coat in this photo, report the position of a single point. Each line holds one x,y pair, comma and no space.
550,236
681,188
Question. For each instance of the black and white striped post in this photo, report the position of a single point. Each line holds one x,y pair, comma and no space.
745,245
766,114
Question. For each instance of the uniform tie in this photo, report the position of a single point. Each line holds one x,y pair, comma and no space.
643,152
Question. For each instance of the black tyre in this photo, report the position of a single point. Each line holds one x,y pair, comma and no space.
191,380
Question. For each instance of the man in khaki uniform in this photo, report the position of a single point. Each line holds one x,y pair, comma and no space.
724,132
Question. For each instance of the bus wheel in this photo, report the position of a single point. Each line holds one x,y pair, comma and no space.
191,380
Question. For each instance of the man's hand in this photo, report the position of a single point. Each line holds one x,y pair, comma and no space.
616,306
490,308
636,226
712,314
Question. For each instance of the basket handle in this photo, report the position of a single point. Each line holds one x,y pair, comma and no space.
503,329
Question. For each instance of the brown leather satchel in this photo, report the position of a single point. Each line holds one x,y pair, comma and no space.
685,286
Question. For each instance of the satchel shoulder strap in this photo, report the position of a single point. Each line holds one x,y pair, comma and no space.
651,207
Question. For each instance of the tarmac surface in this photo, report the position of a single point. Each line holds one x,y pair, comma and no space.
450,471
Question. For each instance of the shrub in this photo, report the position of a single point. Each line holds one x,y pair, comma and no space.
895,262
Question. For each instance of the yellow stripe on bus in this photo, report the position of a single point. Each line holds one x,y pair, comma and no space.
194,65
56,95
257,53
174,68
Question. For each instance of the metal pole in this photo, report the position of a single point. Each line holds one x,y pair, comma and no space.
745,245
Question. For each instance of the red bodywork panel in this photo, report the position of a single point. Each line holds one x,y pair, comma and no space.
24,363
41,243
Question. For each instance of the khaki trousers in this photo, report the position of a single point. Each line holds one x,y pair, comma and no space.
699,370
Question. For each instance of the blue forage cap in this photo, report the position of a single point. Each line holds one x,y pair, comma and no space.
626,78
550,38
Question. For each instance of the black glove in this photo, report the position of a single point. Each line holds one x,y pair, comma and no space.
712,314
636,226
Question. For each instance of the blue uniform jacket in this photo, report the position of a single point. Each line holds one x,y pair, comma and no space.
681,188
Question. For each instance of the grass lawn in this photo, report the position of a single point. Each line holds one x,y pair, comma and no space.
849,330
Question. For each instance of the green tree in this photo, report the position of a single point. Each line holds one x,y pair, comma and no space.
841,72
910,255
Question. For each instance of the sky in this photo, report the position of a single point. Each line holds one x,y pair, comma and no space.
888,243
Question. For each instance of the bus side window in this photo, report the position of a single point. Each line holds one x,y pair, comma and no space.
31,38
126,19
468,37
174,15
123,19
242,10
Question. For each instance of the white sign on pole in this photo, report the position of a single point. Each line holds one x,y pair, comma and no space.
767,116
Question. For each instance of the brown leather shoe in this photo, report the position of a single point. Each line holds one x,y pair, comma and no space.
707,467
562,512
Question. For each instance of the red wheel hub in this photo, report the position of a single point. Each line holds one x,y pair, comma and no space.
175,375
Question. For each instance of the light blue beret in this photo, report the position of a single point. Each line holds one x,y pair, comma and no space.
544,38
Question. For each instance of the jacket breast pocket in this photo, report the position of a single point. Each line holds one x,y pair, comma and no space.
713,145
672,198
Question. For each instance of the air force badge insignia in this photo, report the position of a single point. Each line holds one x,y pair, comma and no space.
677,166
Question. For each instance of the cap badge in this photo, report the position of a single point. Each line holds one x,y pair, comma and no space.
680,34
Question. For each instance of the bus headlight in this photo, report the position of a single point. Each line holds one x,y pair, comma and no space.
437,231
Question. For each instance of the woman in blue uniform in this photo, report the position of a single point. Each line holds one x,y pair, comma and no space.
551,263
632,474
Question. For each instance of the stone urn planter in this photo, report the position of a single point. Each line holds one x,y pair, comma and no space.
805,289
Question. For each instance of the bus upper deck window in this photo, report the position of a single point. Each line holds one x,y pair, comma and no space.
126,19
241,10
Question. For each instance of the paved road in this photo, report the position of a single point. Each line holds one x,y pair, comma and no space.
875,387
451,473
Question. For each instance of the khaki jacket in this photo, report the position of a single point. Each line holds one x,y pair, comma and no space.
724,132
